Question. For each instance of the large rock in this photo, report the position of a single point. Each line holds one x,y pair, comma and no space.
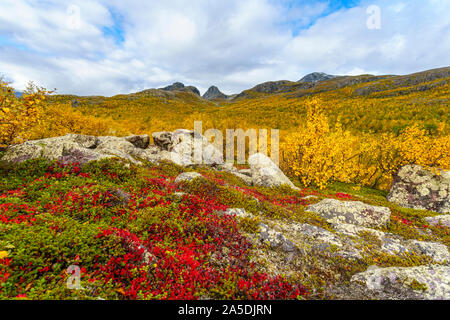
81,148
266,173
394,244
443,220
417,188
275,239
69,148
139,141
188,176
162,139
437,251
245,178
351,212
318,234
177,147
180,147
423,282
238,212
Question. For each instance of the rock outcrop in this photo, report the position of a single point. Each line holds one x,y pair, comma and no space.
443,220
417,188
275,239
423,282
188,176
178,147
214,93
79,148
266,173
351,212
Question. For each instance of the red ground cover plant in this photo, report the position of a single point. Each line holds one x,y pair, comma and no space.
156,246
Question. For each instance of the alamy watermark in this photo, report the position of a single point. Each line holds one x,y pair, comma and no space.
74,279
374,20
73,17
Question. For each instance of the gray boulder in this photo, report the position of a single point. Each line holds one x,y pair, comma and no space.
417,188
266,173
179,147
443,220
188,176
162,139
139,141
275,239
394,244
423,282
319,235
351,212
69,148
238,212
245,178
247,172
81,148
437,251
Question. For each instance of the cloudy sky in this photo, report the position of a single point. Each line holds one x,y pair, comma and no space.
106,47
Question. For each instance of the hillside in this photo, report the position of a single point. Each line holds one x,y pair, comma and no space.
379,122
136,226
364,103
136,220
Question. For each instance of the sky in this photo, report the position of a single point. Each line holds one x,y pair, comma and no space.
108,47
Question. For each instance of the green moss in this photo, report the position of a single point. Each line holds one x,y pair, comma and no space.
416,285
249,224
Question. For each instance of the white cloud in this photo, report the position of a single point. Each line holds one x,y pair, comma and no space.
233,44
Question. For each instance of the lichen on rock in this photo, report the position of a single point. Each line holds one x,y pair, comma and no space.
415,187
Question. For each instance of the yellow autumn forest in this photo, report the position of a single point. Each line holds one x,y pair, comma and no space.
360,132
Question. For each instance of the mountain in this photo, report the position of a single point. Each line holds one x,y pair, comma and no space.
364,103
18,94
316,77
214,93
178,86
266,88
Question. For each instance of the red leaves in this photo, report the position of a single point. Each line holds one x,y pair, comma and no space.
342,196
171,258
17,213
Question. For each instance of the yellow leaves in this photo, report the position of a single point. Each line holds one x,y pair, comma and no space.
121,291
3,254
18,116
318,154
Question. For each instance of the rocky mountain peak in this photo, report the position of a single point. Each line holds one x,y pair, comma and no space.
316,77
178,86
214,93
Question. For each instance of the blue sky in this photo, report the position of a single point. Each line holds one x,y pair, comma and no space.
108,47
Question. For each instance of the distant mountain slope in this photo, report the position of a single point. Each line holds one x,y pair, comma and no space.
364,103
